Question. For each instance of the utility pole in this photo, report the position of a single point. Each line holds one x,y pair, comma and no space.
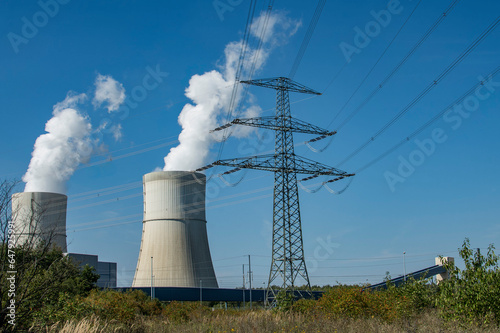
250,280
201,292
244,286
288,263
404,267
152,284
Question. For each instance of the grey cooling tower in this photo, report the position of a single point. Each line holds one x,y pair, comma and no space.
174,232
40,216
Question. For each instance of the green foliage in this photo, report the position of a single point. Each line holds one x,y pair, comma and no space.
183,311
420,293
107,305
304,306
388,305
285,300
472,295
43,274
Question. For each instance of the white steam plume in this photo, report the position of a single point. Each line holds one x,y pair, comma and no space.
68,142
211,94
58,153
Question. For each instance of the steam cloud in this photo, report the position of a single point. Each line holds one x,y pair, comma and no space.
59,152
68,141
211,94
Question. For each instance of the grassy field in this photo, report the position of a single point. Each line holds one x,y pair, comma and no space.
268,321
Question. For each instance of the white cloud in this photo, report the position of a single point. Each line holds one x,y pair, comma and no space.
278,28
108,91
117,132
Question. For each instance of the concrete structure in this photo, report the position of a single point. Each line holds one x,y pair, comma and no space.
107,270
84,259
107,274
174,232
40,216
439,262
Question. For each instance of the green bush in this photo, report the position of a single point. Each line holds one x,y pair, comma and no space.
107,305
43,277
183,311
472,295
388,305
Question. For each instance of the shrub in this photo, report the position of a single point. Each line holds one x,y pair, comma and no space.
43,277
472,295
388,305
181,311
104,305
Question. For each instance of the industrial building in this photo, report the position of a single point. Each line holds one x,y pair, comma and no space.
107,270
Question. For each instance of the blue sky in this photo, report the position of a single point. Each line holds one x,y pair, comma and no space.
425,207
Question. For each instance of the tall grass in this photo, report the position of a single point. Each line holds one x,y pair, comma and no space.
267,321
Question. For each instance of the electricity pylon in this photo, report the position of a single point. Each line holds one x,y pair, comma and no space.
288,263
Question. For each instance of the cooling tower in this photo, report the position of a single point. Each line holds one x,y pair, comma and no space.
174,232
40,216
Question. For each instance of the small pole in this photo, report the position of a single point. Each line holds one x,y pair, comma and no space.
201,292
250,279
404,267
152,287
244,285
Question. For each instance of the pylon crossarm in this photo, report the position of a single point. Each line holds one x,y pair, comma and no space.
273,123
306,166
260,162
206,167
282,83
339,178
302,165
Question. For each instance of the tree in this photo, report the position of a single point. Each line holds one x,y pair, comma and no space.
473,294
33,274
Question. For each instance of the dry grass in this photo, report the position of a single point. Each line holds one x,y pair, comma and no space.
266,321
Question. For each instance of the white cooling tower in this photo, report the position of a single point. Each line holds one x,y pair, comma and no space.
40,216
174,232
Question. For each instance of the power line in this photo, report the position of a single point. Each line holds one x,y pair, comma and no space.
234,101
424,92
429,122
307,37
399,65
375,64
170,143
241,59
222,205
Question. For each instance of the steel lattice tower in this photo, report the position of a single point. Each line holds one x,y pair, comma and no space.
288,263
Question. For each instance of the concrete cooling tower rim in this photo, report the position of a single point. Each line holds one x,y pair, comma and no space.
160,175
